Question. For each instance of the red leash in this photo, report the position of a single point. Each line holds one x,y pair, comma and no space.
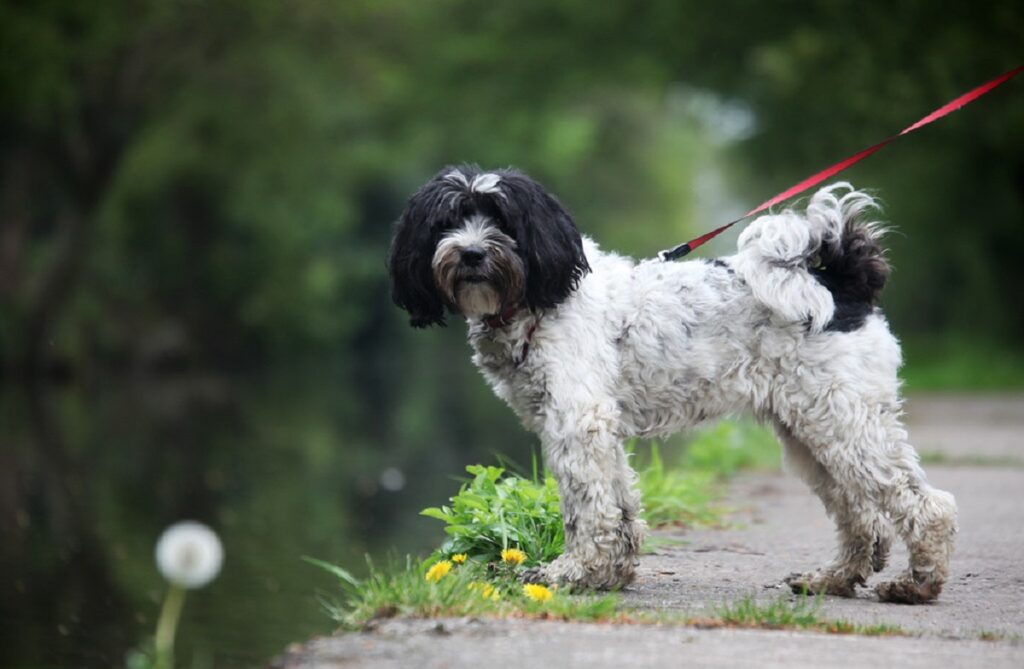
681,250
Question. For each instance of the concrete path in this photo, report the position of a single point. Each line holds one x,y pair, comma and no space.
777,527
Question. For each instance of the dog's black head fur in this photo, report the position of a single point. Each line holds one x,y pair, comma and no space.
544,235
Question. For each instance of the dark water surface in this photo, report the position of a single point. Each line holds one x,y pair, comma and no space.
320,463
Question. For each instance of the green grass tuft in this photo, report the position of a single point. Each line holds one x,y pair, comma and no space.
801,613
777,614
470,589
677,496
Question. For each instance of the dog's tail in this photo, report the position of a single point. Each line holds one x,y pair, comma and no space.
824,267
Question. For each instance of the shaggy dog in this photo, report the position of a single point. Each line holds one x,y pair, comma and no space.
590,348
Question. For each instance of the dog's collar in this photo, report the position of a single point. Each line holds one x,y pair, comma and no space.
503,319
496,321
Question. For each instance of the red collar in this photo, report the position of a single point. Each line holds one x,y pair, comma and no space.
501,320
505,318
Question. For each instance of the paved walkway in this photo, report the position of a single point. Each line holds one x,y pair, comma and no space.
778,527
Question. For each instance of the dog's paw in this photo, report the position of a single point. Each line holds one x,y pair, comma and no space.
562,571
534,575
909,588
821,583
568,572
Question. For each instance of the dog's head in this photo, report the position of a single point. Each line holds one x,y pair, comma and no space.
480,243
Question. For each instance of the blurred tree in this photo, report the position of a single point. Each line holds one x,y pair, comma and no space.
212,183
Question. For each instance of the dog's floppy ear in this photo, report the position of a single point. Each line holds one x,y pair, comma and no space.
412,251
546,238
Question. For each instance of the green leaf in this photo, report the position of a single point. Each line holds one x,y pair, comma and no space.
434,512
342,574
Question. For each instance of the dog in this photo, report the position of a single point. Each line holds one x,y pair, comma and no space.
590,348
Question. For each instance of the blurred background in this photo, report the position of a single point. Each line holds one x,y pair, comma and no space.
196,200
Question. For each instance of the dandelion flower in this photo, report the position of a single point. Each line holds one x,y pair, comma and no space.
538,593
459,558
189,554
513,556
439,571
487,591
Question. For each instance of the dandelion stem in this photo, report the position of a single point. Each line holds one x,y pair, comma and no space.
167,626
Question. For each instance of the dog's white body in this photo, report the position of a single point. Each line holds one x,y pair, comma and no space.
650,348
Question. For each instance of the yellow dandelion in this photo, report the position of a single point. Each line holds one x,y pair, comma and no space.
538,593
490,592
487,591
459,558
513,556
439,571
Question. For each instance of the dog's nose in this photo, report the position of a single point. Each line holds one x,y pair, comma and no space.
472,256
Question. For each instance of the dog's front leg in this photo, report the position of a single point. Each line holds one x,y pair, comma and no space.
600,505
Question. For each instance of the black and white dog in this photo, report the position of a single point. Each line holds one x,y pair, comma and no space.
590,348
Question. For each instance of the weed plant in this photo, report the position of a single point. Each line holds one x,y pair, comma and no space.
494,511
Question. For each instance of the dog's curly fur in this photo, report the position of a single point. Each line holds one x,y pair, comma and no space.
590,348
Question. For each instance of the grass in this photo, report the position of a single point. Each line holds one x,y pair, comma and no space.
801,614
677,496
938,458
732,446
688,493
484,590
469,589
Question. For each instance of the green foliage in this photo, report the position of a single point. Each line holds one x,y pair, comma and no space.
730,446
493,511
677,495
952,363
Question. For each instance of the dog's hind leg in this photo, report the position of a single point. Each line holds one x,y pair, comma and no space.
863,531
926,519
868,457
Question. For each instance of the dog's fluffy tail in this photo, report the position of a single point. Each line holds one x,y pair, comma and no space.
824,267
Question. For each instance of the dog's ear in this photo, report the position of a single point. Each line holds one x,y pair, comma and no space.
412,250
546,239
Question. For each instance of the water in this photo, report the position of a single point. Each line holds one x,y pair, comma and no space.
333,462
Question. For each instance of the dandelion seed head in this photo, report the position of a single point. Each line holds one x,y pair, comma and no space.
189,554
